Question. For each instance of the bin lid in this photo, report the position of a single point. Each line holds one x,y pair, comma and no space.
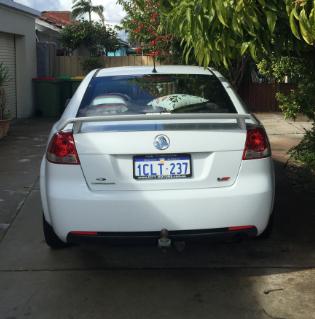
45,78
77,78
64,77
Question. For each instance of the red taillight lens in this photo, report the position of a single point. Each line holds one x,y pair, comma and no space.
257,144
61,149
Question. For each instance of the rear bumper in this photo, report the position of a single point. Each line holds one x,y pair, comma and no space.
152,237
69,205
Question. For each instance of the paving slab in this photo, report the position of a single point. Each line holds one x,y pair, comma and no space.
276,124
283,134
20,155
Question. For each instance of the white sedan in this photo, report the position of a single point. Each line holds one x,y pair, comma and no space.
164,156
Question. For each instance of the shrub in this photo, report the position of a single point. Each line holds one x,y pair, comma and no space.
305,151
91,64
299,71
300,100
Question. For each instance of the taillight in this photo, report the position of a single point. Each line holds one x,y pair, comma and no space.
257,144
61,149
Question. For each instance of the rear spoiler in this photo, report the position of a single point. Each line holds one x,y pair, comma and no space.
78,121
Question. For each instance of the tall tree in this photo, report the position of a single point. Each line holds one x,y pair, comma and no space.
82,7
93,35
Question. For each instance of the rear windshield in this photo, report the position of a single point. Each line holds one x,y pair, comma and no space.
155,93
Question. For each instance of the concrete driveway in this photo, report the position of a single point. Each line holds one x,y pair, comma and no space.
272,278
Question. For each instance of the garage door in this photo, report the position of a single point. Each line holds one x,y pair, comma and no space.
7,56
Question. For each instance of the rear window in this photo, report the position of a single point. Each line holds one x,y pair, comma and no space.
155,93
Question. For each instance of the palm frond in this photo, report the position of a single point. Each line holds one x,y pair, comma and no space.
99,10
82,7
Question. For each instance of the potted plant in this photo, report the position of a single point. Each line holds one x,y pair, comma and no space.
4,113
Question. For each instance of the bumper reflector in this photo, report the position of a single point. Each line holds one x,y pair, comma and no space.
84,233
237,228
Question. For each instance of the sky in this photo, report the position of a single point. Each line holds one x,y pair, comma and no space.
113,12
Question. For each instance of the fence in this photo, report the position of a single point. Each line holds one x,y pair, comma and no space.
261,97
71,65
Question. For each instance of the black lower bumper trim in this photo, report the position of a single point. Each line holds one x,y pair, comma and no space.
180,235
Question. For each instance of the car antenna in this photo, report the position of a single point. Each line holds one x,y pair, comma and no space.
154,68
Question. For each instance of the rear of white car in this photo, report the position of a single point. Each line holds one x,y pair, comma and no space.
190,162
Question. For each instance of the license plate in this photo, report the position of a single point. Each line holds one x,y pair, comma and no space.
162,166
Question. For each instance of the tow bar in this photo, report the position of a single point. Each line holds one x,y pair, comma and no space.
164,241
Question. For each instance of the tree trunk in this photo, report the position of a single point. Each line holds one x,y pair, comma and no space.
238,70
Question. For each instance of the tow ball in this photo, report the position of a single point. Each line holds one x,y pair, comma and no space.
164,241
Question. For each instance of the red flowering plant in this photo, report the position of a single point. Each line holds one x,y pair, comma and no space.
143,23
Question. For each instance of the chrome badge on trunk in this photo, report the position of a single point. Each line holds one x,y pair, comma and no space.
161,142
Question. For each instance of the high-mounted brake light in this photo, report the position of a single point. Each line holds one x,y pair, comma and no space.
257,144
62,150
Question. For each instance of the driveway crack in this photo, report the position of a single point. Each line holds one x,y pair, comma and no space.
270,316
18,209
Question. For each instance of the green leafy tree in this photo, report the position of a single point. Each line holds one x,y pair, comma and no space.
143,22
95,36
302,19
82,7
227,33
219,31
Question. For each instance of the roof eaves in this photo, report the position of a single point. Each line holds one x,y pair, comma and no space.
55,22
19,7
47,24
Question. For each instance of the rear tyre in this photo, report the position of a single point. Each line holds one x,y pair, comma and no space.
268,231
52,240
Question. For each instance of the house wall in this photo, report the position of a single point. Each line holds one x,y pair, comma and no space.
119,52
23,27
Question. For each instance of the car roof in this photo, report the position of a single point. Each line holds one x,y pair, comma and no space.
161,69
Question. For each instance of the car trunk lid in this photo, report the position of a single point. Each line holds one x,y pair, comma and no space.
107,150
